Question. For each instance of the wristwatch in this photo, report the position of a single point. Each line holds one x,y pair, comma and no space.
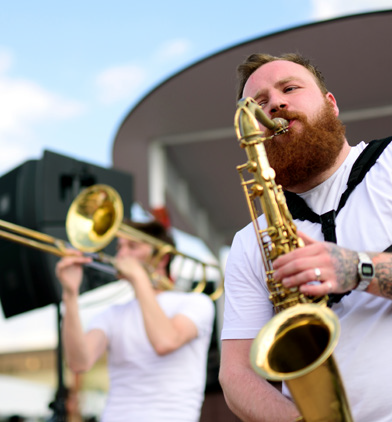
365,271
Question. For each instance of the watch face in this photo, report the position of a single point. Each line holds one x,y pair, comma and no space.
367,270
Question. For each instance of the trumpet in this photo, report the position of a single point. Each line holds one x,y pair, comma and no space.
93,220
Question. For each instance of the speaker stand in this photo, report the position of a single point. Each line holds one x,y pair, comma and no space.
58,405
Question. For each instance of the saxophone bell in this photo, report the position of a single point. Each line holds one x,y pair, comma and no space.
296,347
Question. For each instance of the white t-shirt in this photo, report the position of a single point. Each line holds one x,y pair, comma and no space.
144,386
364,224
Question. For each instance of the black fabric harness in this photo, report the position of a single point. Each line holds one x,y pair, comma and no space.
301,211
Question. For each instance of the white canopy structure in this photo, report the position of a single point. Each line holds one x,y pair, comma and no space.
179,140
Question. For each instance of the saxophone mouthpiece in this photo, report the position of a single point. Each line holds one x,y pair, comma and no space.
279,125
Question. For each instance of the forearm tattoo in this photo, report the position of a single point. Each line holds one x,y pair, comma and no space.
384,276
345,263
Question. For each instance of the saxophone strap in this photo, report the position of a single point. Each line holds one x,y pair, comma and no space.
301,211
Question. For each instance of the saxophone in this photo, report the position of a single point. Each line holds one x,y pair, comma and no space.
296,345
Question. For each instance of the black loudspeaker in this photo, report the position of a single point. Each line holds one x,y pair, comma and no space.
37,195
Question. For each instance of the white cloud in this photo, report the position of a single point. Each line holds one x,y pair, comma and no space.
124,82
119,83
5,60
173,49
325,9
24,105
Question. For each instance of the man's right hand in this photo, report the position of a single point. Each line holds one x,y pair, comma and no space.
69,271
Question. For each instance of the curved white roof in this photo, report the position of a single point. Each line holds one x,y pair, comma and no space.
179,141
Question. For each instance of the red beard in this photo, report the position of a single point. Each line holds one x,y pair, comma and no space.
298,156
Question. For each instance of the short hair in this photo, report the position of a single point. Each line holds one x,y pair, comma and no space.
157,230
254,61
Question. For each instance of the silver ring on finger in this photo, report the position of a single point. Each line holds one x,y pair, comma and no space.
317,273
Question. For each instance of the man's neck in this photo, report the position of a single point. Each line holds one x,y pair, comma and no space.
317,180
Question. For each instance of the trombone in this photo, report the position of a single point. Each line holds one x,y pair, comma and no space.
93,220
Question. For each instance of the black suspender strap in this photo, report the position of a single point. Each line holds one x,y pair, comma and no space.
301,211
299,208
362,165
328,225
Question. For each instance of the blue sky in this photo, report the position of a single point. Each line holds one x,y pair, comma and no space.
71,71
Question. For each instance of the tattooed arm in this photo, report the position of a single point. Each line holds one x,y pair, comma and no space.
381,285
338,269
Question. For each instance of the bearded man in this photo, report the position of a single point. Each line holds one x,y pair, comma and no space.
313,161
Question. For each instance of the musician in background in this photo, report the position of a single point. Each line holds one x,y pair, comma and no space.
313,160
157,343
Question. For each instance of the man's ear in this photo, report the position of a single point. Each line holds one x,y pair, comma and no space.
330,98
